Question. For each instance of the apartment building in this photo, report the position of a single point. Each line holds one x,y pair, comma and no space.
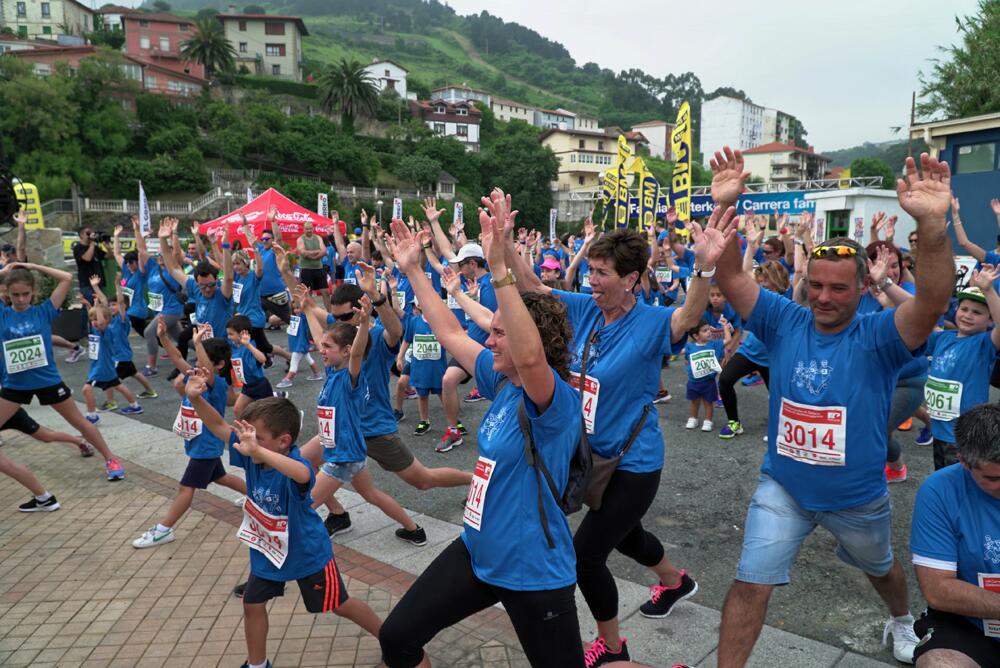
458,119
776,162
155,37
585,155
266,44
46,19
657,133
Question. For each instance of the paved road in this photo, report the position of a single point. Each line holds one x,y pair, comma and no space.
698,513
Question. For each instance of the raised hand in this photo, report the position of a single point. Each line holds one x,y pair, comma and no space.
165,228
729,178
754,233
365,275
273,213
880,267
709,243
925,195
451,280
404,247
363,217
492,238
301,296
956,207
244,338
890,226
589,231
197,382
280,257
95,281
431,212
21,217
247,445
118,230
985,277
365,308
198,333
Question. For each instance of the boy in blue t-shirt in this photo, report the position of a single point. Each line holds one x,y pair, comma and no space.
430,361
705,357
102,366
285,535
121,349
248,364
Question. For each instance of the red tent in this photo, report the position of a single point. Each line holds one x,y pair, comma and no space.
290,218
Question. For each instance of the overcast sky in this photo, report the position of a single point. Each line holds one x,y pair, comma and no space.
846,69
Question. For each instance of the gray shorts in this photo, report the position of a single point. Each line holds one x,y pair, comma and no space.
389,451
343,471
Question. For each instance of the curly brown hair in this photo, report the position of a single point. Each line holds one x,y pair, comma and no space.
775,273
549,314
627,250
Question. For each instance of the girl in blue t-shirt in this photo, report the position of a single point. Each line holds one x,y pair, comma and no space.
705,358
429,362
298,349
102,373
203,448
248,365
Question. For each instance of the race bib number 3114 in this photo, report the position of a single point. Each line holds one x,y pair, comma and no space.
813,434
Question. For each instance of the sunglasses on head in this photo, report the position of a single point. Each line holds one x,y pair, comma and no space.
343,317
833,251
265,238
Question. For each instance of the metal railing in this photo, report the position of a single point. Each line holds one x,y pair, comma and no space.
780,186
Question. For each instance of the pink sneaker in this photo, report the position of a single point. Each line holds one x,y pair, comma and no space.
114,469
451,438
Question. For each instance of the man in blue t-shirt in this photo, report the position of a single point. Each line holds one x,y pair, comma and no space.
826,439
955,543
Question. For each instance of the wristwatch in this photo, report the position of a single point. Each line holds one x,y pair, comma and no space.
884,283
703,273
378,302
505,281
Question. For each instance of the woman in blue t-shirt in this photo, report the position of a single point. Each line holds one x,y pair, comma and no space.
509,551
163,299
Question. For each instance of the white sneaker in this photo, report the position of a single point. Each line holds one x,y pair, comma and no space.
706,425
154,537
692,423
765,438
239,501
904,640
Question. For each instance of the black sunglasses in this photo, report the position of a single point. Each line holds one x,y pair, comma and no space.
343,317
265,238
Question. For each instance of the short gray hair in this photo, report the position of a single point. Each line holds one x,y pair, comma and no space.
977,434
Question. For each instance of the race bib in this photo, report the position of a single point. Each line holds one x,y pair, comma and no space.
704,363
327,415
349,277
400,299
129,293
475,504
93,346
238,376
298,273
944,398
990,582
293,325
264,532
155,301
25,353
591,392
585,281
237,292
187,425
664,275
813,434
209,332
426,347
453,303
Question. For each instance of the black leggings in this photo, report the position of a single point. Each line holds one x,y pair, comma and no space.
448,591
616,526
138,324
260,340
184,340
737,367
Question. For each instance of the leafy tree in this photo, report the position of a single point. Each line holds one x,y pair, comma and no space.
161,6
113,39
965,82
170,139
417,169
346,87
523,168
254,9
874,167
209,46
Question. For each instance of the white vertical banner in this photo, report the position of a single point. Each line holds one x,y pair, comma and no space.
553,214
457,219
249,195
145,222
323,204
397,208
819,234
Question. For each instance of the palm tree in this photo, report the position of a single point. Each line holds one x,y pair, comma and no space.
210,47
348,88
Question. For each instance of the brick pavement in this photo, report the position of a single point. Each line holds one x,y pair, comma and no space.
73,591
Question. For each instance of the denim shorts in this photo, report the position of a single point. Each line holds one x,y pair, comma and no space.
776,526
343,471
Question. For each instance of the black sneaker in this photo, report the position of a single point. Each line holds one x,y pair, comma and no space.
239,590
599,653
268,361
663,599
422,427
267,664
47,506
461,429
173,374
417,536
337,523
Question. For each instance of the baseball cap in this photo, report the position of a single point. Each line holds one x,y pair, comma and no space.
973,293
550,263
469,250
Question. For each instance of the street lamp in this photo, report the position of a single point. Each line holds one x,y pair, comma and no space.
229,201
378,205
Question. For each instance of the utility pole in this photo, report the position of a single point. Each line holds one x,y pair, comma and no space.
913,119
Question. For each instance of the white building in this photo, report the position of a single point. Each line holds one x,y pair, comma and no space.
456,93
777,127
509,110
458,119
727,121
657,133
389,75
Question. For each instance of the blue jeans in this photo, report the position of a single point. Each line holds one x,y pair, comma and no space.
776,526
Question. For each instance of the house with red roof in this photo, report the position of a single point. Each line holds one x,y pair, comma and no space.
777,162
266,44
155,38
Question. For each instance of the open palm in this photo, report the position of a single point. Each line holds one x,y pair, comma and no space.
925,195
404,247
728,177
710,242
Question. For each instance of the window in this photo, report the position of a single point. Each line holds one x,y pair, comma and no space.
184,27
243,26
274,49
46,10
46,30
164,44
975,158
387,73
143,24
439,109
462,130
572,157
583,143
462,111
42,69
600,146
22,32
174,86
150,81
276,70
243,47
439,128
143,42
22,11
274,28
580,180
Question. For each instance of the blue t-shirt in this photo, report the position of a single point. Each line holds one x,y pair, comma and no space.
349,269
963,359
509,549
754,350
215,310
246,297
376,413
244,361
729,313
430,359
956,527
625,360
271,282
298,334
309,547
703,363
583,275
162,288
818,376
346,402
207,445
404,292
102,364
121,349
488,298
27,335
134,288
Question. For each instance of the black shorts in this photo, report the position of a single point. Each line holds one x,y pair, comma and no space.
201,472
126,370
22,422
944,630
105,384
315,279
454,363
46,395
260,389
321,592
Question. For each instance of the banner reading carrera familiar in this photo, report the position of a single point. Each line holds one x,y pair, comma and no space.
680,180
621,191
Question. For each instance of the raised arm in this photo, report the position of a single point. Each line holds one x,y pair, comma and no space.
248,447
709,244
366,237
166,252
197,384
170,348
365,273
281,259
754,235
248,344
95,285
201,355
275,227
116,246
728,180
140,244
926,196
258,266
589,234
227,264
971,248
983,279
360,344
338,238
480,315
433,215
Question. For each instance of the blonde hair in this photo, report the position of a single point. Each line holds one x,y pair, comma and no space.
242,256
99,308
774,273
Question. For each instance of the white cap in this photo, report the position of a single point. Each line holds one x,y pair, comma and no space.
470,250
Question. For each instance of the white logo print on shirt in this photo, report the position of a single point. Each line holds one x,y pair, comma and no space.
944,362
991,549
813,377
267,500
493,422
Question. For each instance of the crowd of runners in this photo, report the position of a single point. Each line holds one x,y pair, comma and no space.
567,338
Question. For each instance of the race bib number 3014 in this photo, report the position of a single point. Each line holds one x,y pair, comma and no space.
264,532
813,434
